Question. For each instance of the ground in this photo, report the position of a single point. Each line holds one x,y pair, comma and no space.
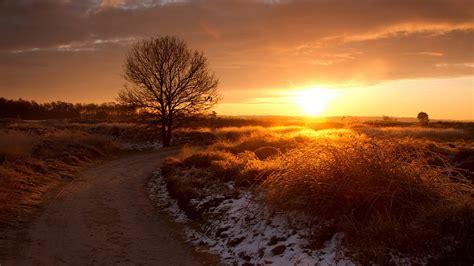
104,216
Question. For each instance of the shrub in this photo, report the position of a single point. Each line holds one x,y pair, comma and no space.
203,159
170,166
184,188
267,152
423,117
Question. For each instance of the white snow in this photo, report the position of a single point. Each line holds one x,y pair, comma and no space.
161,198
240,230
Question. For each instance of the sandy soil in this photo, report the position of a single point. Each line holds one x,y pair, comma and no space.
104,217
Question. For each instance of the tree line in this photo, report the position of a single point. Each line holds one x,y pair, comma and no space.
31,110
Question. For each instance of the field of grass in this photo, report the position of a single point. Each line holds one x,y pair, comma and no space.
399,192
395,191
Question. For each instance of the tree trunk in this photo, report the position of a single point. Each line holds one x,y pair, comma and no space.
165,141
169,129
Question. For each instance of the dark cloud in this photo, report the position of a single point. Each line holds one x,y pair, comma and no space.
251,44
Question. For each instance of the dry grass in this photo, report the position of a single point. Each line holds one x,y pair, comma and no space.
355,175
384,195
392,193
391,190
37,156
32,162
16,145
119,131
417,132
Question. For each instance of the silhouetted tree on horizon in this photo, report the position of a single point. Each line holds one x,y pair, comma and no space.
423,118
167,81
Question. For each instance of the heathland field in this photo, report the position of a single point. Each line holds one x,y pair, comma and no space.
382,192
275,190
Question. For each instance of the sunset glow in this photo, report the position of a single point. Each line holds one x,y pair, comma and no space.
314,102
420,51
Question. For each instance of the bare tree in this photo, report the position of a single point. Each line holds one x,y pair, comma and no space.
167,82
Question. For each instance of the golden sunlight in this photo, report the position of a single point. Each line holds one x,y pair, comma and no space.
314,102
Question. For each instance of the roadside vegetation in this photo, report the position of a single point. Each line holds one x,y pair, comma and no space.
395,193
38,156
32,163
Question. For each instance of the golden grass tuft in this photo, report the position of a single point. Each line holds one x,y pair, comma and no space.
355,175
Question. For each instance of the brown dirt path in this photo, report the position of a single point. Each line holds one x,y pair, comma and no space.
104,217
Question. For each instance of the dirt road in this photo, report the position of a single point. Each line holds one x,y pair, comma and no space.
104,217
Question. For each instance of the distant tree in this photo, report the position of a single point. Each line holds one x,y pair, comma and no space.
423,118
387,118
167,81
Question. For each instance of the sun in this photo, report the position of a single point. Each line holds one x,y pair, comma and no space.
314,102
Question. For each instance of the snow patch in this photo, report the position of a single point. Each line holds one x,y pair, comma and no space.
243,230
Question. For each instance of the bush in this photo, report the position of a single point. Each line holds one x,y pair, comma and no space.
170,166
203,159
267,152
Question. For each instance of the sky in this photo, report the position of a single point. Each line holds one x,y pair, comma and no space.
272,57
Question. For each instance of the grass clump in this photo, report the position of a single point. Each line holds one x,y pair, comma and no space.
386,198
355,175
244,168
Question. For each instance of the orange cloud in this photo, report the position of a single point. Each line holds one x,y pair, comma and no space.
113,3
250,44
409,28
211,30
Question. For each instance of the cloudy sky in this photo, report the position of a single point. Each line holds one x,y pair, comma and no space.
377,56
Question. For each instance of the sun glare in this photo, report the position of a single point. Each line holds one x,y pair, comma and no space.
314,102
